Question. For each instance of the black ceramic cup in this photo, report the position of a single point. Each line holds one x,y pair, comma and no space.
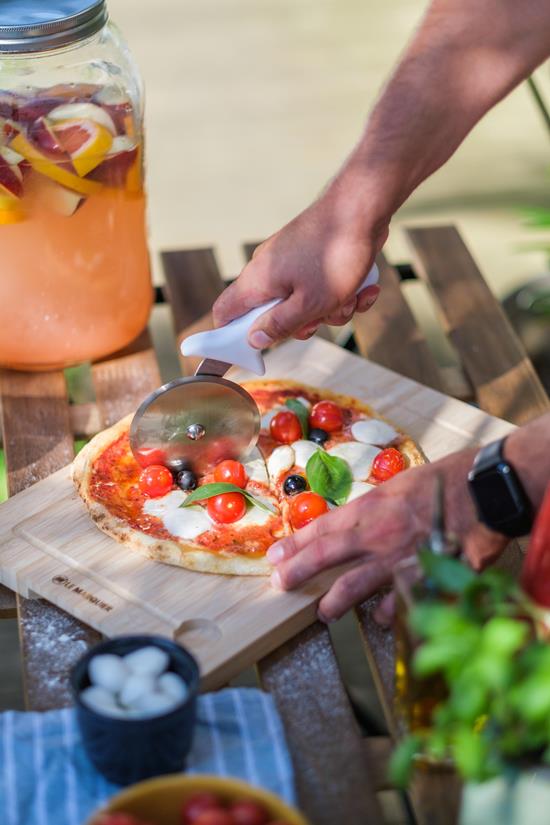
125,751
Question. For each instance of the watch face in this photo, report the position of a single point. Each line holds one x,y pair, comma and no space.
499,503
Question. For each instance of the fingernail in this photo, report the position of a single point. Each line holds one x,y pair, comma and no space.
349,307
276,553
325,619
372,295
275,580
259,339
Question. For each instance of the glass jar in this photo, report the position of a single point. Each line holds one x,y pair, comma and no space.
75,282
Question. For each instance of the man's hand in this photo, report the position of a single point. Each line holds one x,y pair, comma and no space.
316,264
377,530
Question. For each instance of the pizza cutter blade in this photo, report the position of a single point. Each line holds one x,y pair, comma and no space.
194,423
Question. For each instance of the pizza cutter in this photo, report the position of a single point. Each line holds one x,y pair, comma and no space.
194,423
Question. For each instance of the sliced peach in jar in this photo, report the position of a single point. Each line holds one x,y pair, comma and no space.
40,163
87,143
83,111
44,138
11,179
47,194
114,169
116,103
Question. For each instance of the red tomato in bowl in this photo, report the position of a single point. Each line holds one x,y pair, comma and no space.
387,463
285,427
306,507
197,804
226,508
247,812
326,415
215,816
231,472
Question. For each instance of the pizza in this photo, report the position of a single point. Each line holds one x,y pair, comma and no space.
317,450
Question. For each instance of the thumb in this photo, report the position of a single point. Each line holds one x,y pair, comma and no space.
234,301
482,546
279,323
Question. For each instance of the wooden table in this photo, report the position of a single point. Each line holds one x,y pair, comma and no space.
338,772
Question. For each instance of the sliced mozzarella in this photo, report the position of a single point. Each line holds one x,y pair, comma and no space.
359,488
257,471
255,516
266,417
303,450
281,459
304,401
373,431
358,456
185,523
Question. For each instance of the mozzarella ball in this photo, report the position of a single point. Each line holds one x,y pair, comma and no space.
173,685
107,671
134,687
147,661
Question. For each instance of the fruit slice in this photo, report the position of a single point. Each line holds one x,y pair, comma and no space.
71,91
30,110
44,138
11,179
114,169
86,142
11,210
10,156
52,196
42,164
83,111
118,106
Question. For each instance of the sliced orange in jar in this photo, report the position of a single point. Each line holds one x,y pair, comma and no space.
87,143
41,164
11,210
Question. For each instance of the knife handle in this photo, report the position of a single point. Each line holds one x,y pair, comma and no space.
230,343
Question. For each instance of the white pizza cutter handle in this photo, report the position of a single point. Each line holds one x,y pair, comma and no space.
230,343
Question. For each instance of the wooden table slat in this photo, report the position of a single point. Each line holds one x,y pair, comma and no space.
389,334
494,359
322,733
38,440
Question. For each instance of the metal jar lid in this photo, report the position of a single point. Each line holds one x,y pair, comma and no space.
40,25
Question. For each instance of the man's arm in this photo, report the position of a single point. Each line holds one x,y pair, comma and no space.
464,58
387,524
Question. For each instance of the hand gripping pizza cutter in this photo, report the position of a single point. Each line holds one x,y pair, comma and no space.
193,423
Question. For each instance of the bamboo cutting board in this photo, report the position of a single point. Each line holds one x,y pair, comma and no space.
50,547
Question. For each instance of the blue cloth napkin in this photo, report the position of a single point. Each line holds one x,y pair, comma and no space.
46,778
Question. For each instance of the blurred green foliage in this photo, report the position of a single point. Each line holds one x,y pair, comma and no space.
479,633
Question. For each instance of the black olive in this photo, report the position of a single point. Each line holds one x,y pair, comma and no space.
186,480
294,485
318,436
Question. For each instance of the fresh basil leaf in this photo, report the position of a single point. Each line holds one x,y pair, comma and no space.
219,487
448,574
329,476
301,411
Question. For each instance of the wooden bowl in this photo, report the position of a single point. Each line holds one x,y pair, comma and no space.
160,800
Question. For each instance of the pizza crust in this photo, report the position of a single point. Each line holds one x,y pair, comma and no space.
187,554
177,553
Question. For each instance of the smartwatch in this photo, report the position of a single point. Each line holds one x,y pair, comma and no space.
500,500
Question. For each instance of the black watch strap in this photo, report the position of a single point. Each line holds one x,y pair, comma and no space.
498,494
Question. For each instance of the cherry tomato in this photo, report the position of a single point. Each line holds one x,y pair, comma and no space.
155,481
197,804
387,463
285,427
226,508
305,508
326,415
231,472
247,812
215,816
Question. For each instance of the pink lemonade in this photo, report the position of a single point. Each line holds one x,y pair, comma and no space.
76,283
